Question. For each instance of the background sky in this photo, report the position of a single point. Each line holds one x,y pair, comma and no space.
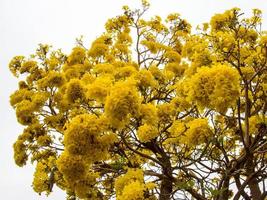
26,23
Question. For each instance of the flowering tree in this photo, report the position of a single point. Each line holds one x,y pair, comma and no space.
149,111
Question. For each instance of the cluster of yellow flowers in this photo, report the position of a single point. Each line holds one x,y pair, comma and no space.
153,46
226,19
15,64
149,114
53,78
85,135
132,186
40,181
254,121
99,89
100,46
85,142
123,42
173,64
125,72
26,103
191,133
198,132
145,79
216,87
28,66
20,154
77,56
122,102
147,132
76,172
197,51
75,91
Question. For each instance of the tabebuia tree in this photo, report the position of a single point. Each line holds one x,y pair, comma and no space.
149,110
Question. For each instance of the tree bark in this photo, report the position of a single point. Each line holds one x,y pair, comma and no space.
166,183
253,183
225,187
240,189
166,186
254,189
165,189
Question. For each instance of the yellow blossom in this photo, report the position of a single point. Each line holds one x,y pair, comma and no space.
123,102
84,136
20,154
75,91
100,46
147,132
41,179
99,89
197,132
77,56
216,87
145,79
148,113
52,79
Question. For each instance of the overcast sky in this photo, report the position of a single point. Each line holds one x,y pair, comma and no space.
26,23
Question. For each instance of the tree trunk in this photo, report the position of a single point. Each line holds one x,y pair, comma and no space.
225,187
254,189
166,182
165,189
253,183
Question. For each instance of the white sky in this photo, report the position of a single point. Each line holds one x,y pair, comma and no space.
26,23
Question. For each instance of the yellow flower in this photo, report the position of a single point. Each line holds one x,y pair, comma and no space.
28,66
99,89
131,185
52,79
24,112
72,167
77,56
104,68
75,91
145,79
20,152
253,124
123,102
41,180
147,132
15,64
148,113
100,46
197,132
84,135
216,87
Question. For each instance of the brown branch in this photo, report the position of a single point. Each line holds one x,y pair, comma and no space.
139,153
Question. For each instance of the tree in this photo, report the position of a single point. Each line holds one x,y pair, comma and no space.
162,114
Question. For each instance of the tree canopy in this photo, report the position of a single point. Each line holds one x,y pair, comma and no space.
150,110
